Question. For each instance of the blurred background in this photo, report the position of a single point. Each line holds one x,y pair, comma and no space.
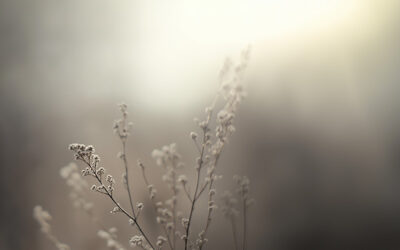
318,135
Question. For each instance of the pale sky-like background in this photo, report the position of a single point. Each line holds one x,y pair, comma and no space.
318,134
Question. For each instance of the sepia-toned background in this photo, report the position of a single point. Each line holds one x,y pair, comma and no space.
318,134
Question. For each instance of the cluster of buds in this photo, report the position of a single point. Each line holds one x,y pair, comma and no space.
86,154
231,77
185,222
160,241
122,127
108,190
228,205
225,125
139,207
182,179
136,240
152,191
139,241
167,156
164,215
201,240
243,189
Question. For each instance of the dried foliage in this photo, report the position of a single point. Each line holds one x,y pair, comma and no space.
177,226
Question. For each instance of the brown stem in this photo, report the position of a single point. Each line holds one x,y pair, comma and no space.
233,224
195,197
117,204
244,223
125,160
155,209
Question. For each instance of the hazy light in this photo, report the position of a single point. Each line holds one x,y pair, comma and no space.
179,38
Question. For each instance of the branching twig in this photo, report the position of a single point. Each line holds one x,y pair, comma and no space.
109,194
195,197
146,181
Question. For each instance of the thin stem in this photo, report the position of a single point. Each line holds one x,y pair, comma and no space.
192,209
197,146
202,190
117,204
235,241
210,198
174,190
197,187
203,146
125,160
244,223
187,193
155,208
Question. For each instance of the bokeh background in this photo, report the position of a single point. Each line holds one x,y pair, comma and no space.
318,135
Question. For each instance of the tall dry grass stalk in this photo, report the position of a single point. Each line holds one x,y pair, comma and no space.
176,226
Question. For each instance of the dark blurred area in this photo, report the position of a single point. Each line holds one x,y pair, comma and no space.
318,135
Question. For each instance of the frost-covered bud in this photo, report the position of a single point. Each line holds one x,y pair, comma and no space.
136,240
140,164
185,222
160,241
198,160
100,172
203,125
152,191
110,189
165,212
160,220
131,222
90,149
228,205
193,135
123,107
115,210
120,155
124,179
110,179
96,158
244,185
210,208
93,187
182,179
139,205
212,192
87,171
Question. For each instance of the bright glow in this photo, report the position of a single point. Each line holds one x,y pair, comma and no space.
179,37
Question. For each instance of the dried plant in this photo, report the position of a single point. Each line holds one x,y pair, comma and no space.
43,218
176,226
